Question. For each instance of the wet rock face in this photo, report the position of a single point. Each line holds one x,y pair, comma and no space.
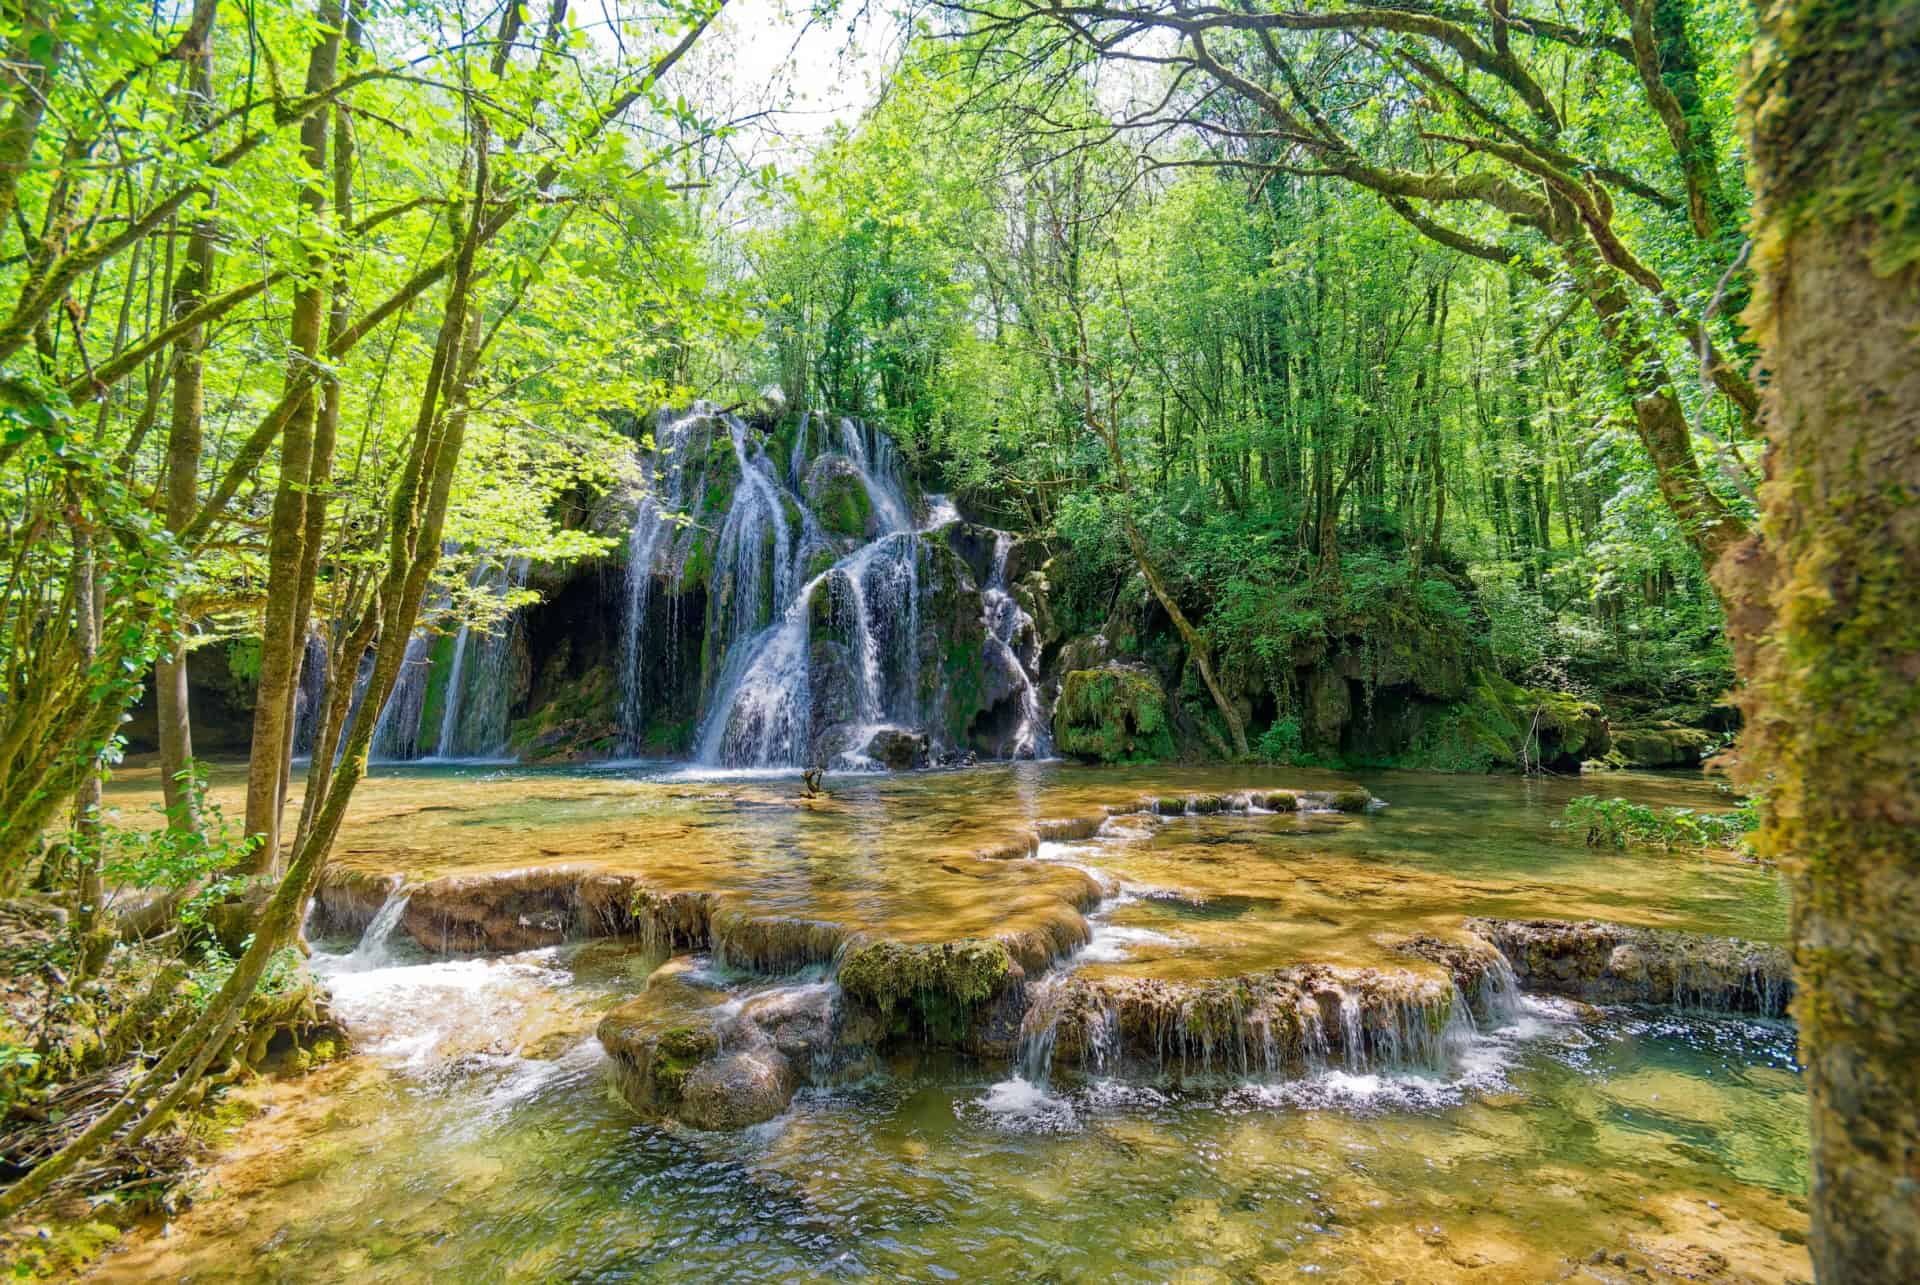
839,498
1614,964
679,1051
1272,1022
898,749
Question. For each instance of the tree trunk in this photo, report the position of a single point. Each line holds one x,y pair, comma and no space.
1825,615
283,637
190,286
1658,415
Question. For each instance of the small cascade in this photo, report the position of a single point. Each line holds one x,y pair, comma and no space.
375,947
473,721
1496,995
1040,1028
1013,649
873,459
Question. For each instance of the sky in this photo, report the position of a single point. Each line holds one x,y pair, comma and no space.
789,75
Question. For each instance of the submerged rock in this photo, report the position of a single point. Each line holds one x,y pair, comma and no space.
681,1050
1604,963
737,1089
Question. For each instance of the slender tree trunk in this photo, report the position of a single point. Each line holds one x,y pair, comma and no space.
31,59
1658,415
190,287
282,633
86,800
1825,614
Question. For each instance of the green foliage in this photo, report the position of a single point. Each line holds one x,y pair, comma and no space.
1618,823
1113,716
1280,743
175,854
243,660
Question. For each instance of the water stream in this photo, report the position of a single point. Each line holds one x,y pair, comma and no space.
1507,1141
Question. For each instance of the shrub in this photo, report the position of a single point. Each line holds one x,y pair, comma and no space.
1618,823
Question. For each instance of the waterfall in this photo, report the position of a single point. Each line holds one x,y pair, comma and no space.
375,948
650,552
763,704
312,690
473,720
396,734
878,470
1012,646
812,604
477,692
762,714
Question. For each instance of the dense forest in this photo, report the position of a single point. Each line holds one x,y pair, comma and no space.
1504,388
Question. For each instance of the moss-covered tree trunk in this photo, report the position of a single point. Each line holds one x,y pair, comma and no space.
1826,612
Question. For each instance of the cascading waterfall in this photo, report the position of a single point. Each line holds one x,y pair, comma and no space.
474,696
1012,646
762,715
473,720
396,734
648,547
816,592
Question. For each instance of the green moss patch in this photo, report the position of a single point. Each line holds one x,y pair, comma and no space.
1112,715
933,989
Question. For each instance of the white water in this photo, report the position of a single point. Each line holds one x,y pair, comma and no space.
432,1017
1013,648
808,668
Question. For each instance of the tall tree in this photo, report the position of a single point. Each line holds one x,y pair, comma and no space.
1825,602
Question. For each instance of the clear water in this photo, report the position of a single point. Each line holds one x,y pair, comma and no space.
1623,1131
477,1136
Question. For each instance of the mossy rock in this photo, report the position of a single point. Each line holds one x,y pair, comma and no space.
575,722
840,499
1502,725
932,990
1354,800
1114,714
1661,745
656,1047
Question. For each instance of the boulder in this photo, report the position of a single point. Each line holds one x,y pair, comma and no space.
1661,745
737,1089
898,748
681,1050
1113,714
